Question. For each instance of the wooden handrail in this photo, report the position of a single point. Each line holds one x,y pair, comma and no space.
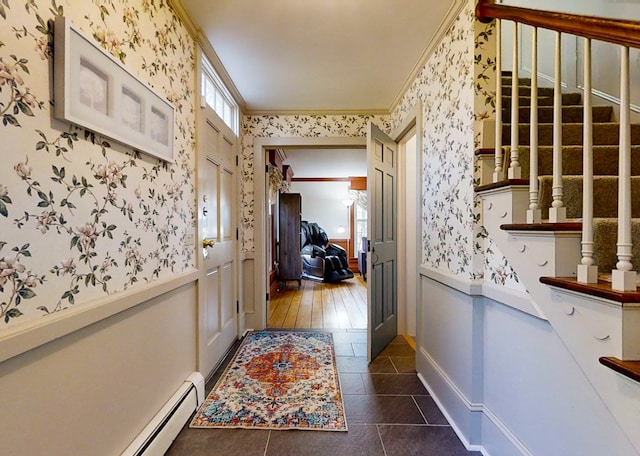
618,31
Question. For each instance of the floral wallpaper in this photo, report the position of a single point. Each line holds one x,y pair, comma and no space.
445,86
456,88
82,216
268,126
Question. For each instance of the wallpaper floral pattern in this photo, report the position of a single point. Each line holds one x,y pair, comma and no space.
455,88
445,86
81,216
270,126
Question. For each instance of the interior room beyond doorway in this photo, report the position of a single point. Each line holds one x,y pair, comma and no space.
320,305
326,187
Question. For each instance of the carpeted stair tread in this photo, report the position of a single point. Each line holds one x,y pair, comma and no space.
525,91
508,80
570,114
605,237
567,99
605,153
604,133
605,160
605,195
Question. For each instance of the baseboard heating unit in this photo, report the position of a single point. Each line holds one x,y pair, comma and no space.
158,435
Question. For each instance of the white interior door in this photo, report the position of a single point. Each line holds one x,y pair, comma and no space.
382,157
217,235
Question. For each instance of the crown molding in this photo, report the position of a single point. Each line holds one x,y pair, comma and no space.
207,49
211,54
184,16
276,112
447,22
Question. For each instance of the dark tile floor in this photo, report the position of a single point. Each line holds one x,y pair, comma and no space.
389,412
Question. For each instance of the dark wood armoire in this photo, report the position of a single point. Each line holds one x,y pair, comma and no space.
289,218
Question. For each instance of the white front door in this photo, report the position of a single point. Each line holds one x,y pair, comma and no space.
382,158
217,240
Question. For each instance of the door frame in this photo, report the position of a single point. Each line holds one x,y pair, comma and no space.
202,158
406,244
195,234
255,281
411,124
256,309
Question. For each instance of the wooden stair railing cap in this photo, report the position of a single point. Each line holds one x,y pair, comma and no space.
601,289
629,369
502,184
484,151
618,31
552,227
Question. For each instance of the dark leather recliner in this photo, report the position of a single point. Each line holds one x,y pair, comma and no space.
320,260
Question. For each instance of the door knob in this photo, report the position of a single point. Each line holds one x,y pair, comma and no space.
374,256
208,243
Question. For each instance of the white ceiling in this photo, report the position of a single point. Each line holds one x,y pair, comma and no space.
327,162
319,55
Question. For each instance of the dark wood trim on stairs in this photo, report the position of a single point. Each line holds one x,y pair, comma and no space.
602,289
501,184
618,31
484,151
564,226
629,369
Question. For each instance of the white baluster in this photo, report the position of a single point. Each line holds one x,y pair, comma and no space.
624,278
498,173
534,212
557,212
587,270
514,168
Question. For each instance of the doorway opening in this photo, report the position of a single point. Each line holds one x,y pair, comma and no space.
408,211
256,282
321,192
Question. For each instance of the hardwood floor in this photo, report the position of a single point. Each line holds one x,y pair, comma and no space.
320,305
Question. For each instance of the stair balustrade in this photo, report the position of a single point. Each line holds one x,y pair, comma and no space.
624,278
498,173
587,269
621,32
534,214
514,167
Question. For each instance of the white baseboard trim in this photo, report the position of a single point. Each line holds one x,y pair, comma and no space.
502,428
509,297
463,438
470,407
159,434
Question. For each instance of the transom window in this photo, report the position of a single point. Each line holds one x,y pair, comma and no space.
218,97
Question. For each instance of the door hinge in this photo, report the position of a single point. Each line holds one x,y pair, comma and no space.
238,307
237,234
267,296
237,160
368,245
266,169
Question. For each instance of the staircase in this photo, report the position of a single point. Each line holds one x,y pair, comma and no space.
546,255
605,165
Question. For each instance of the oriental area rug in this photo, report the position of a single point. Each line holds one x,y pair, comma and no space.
278,380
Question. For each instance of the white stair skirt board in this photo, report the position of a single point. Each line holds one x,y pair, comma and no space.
157,436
